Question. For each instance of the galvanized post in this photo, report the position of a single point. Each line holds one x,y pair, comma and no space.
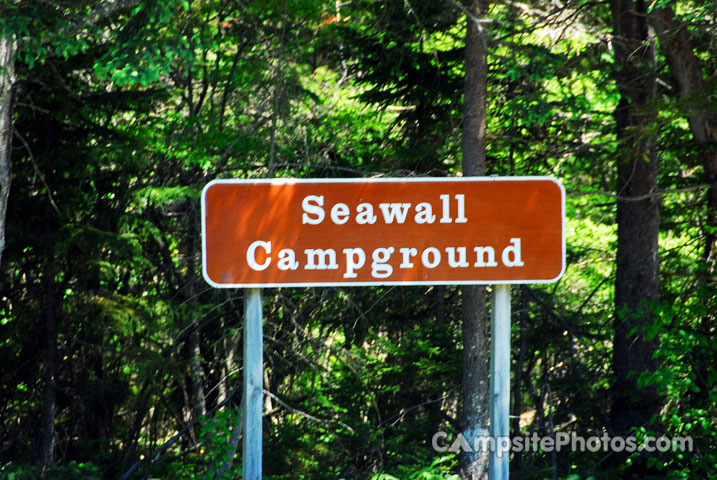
500,382
253,385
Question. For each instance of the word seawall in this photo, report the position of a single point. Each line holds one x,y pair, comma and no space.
383,261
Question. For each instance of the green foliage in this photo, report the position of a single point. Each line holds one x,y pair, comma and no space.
437,469
123,115
407,57
73,469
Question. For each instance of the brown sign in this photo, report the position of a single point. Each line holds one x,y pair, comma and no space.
478,230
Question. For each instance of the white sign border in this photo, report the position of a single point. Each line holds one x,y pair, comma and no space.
291,181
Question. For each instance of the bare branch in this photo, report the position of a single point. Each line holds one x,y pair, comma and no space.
638,198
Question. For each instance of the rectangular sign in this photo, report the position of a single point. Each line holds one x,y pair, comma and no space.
418,231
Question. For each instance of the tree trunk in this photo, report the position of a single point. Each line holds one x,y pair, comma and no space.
193,342
684,65
49,398
196,375
475,394
230,343
637,275
8,47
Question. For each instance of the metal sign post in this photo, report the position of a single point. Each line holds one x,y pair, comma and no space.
500,382
352,232
253,384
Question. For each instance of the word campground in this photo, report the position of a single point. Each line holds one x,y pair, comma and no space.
441,442
322,233
355,258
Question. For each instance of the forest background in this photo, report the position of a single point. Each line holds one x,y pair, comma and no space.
117,360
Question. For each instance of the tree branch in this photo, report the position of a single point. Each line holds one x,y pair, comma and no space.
658,193
100,12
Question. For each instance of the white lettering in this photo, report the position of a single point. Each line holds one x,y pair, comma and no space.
380,268
287,260
514,250
460,443
365,214
461,205
251,255
446,199
434,441
407,254
355,259
481,253
461,262
340,213
432,252
313,209
326,259
424,213
394,211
